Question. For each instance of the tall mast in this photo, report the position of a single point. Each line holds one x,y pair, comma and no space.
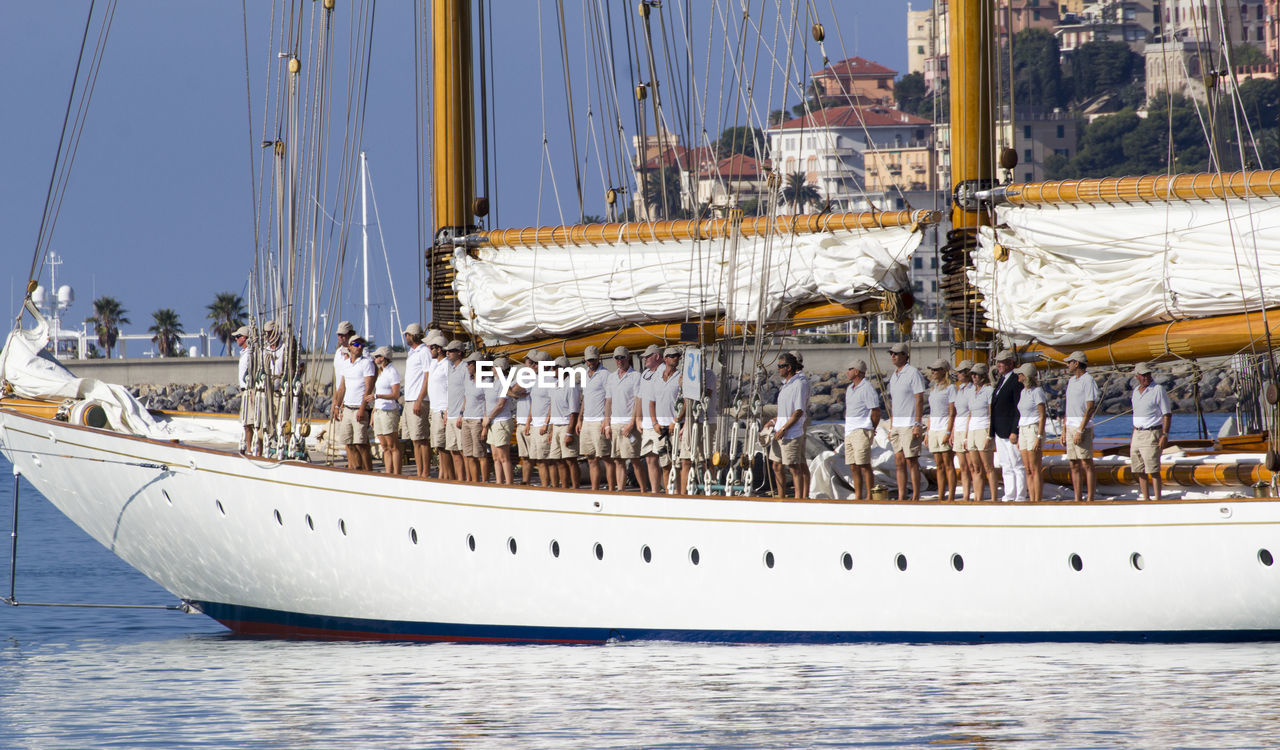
453,183
364,232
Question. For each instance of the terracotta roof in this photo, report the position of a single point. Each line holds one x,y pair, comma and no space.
853,117
855,67
687,158
733,167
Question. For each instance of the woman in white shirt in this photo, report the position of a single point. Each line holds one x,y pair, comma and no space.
942,420
1031,416
386,409
978,440
960,433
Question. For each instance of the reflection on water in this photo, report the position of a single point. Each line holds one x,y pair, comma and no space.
81,678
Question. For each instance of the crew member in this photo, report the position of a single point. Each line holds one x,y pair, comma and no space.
620,429
416,421
1031,419
1152,416
787,444
591,442
1004,429
862,410
906,407
1077,433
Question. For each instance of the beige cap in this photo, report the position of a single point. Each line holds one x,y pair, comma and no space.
357,339
562,361
435,338
979,369
652,349
900,348
453,346
503,362
857,364
245,331
1028,370
939,364
1142,368
345,328
591,352
269,327
1078,357
965,365
384,352
621,351
1006,355
474,357
414,329
671,351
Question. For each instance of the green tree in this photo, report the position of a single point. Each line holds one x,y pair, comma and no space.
166,329
909,92
662,191
1247,55
227,314
739,140
108,315
1100,67
800,192
777,117
1037,75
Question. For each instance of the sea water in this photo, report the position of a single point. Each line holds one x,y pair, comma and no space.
161,679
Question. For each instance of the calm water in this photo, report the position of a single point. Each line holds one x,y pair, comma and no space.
112,678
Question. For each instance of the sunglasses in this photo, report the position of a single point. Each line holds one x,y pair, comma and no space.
620,358
356,344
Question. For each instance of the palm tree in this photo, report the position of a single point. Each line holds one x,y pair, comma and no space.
227,314
799,192
108,314
167,328
662,191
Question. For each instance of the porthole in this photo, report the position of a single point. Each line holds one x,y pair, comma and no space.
1264,557
900,561
1076,563
599,550
1136,561
847,561
511,544
555,548
957,562
413,535
342,526
694,557
471,542
279,520
167,499
310,524
768,559
646,553
221,510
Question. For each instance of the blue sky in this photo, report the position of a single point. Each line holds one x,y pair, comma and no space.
159,214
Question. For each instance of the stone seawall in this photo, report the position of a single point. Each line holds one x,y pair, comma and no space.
1219,392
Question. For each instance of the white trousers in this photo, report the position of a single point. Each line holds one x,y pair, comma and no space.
1011,470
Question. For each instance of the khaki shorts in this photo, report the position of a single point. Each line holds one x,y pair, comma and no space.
904,441
691,449
472,446
558,449
414,427
654,443
249,408
1028,437
592,442
959,441
522,441
539,445
787,451
857,447
500,433
1083,449
386,421
624,447
939,441
452,435
979,440
351,431
1144,451
437,430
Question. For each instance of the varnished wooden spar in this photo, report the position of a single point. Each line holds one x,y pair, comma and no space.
1216,336
1151,188
663,334
1242,474
705,229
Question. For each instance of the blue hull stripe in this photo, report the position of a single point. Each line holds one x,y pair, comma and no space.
252,621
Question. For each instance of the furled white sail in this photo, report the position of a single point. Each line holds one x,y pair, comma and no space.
1078,272
508,294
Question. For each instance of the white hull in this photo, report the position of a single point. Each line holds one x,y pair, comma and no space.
205,527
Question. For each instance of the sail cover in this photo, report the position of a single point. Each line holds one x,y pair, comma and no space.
1078,272
509,294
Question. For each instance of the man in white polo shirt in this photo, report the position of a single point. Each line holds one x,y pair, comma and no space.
1077,435
566,411
1152,415
652,360
787,449
862,409
906,433
415,424
621,428
592,443
438,399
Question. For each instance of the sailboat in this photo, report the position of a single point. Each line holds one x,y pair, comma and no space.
273,545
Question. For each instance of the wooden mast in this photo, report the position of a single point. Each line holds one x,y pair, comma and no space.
453,182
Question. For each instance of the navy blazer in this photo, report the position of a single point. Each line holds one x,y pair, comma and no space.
1004,407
